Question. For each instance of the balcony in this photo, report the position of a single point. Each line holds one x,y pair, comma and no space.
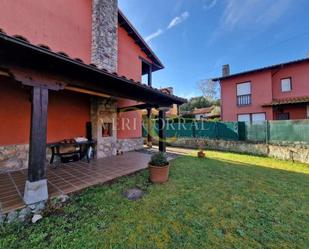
244,100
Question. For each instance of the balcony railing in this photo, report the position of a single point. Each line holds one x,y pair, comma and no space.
244,100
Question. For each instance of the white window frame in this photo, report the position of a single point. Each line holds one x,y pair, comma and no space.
286,84
250,118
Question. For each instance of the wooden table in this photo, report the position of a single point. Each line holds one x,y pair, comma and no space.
82,149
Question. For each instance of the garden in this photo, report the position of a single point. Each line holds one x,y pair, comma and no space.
225,200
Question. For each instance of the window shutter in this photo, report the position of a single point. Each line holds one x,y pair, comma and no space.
244,118
258,117
244,88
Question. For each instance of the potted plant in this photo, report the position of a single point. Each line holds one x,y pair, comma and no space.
158,168
200,153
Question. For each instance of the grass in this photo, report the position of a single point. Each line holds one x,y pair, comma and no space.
225,201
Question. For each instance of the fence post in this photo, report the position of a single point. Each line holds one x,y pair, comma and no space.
216,129
193,130
267,132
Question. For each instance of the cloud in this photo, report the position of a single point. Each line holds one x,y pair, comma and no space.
274,12
188,95
178,19
239,13
249,15
175,21
154,35
210,4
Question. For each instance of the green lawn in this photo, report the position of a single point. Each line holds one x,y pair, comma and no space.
224,201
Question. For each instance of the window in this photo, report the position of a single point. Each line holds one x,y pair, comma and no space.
258,117
244,93
244,88
307,111
286,85
244,117
252,117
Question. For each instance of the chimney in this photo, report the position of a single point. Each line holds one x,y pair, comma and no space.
171,90
104,34
308,54
225,70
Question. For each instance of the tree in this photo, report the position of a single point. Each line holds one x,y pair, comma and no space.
197,102
210,89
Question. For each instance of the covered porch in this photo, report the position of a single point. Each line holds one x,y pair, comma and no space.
290,108
71,177
43,72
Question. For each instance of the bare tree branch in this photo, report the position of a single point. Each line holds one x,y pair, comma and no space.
210,89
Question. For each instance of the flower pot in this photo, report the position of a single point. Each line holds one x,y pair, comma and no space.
159,174
201,154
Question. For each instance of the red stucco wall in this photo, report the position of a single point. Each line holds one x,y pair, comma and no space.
261,93
130,65
300,81
67,114
14,113
63,25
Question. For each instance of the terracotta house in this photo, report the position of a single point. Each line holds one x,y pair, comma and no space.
278,92
205,113
65,65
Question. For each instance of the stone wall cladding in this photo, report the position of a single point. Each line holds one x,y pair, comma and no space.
13,157
105,34
298,153
104,110
294,152
130,144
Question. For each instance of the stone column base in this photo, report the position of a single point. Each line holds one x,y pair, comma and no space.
35,192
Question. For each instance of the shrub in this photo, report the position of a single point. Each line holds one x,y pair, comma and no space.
158,159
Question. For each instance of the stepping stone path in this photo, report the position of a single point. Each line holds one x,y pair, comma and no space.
36,218
133,194
12,216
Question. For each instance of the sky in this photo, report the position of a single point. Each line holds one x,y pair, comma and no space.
194,38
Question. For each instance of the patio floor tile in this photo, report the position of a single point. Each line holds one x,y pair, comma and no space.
71,177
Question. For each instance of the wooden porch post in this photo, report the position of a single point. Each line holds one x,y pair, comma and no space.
162,135
36,185
150,76
149,128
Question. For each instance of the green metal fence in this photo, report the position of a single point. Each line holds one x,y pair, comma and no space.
210,130
264,132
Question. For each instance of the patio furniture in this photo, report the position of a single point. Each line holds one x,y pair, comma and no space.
70,150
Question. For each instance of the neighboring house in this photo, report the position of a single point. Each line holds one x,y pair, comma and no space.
65,64
173,111
205,113
278,92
